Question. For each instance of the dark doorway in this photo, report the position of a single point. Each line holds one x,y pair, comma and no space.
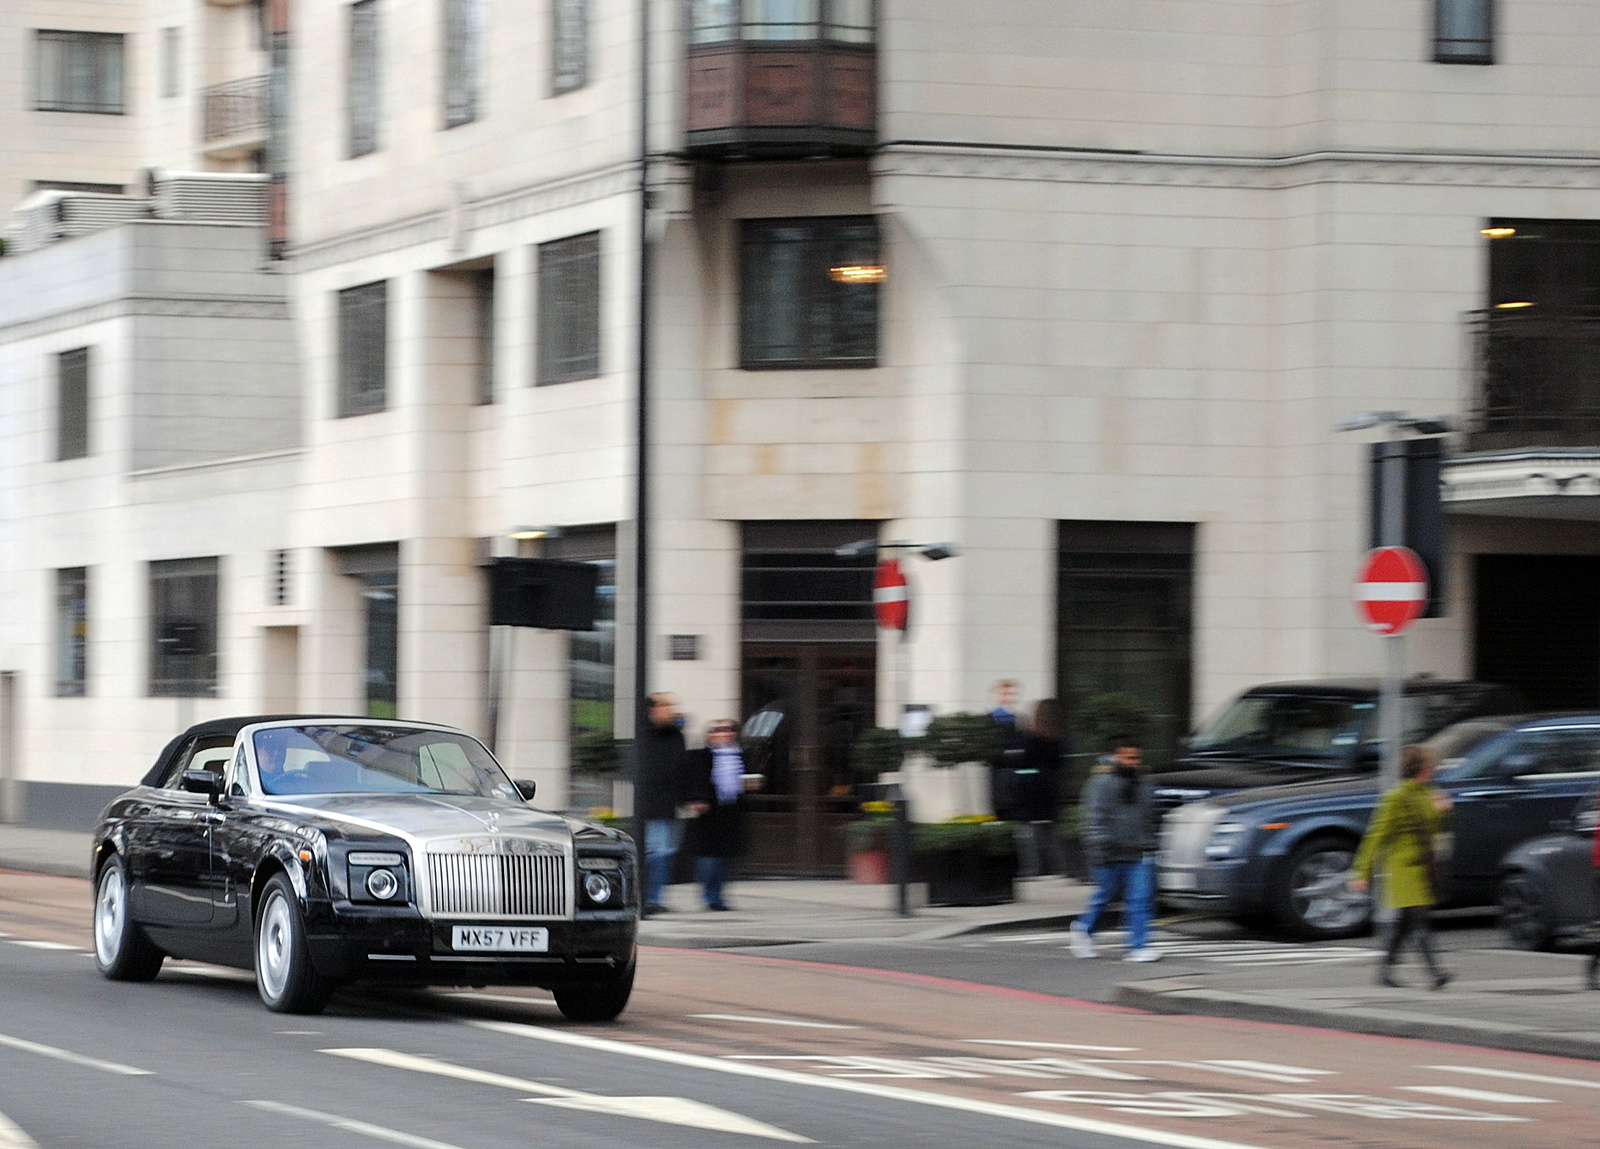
1537,628
809,686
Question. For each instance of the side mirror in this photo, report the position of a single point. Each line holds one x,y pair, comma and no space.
201,782
525,788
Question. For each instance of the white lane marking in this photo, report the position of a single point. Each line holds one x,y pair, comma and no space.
513,998
868,1089
1462,1093
1512,1075
43,945
212,971
350,1125
1286,1075
1054,1045
667,1110
773,1021
12,1136
72,1058
1268,1069
1186,1103
935,1068
299,1032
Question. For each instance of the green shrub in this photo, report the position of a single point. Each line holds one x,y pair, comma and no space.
876,751
986,836
955,738
1101,717
596,752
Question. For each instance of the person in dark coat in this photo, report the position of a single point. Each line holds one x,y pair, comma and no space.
657,793
1038,771
1119,840
715,781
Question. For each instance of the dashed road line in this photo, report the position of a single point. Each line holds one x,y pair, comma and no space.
1513,1075
33,945
350,1125
773,1021
1054,1045
71,1058
12,1136
1488,1096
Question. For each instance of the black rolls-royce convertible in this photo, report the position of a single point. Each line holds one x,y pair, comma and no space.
324,851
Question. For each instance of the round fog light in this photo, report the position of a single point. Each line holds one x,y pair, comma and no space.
382,885
598,888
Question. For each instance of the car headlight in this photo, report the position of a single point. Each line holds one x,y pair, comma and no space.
598,887
383,885
1227,839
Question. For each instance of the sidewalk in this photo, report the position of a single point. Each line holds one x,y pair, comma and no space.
765,912
1501,999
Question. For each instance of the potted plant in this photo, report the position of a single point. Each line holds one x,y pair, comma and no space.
876,751
967,861
866,842
949,776
596,763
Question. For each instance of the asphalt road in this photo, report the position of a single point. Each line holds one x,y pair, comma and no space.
718,1049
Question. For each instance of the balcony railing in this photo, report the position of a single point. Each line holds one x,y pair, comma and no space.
1537,379
782,77
237,109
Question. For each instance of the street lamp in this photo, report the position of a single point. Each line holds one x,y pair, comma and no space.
861,548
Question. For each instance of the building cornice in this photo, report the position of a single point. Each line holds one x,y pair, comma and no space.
134,304
452,223
972,161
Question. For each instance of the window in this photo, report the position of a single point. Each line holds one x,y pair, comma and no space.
362,96
591,654
570,46
809,292
462,32
376,570
569,309
78,72
483,301
171,62
1463,31
72,404
279,576
183,628
850,21
72,631
795,586
713,21
780,19
363,340
842,21
77,186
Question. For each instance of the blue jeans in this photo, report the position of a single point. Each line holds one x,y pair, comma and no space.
662,836
713,876
1135,881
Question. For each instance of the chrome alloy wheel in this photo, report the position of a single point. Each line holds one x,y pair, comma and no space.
275,946
1319,896
110,915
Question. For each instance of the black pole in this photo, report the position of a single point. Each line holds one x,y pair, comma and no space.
641,512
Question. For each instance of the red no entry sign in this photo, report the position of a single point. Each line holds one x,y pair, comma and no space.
891,598
1392,589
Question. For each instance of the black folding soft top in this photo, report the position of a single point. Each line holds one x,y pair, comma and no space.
211,728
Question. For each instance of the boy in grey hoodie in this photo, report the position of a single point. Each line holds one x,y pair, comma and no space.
1119,840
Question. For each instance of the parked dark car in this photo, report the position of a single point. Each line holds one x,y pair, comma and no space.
323,851
1547,885
1284,852
1287,733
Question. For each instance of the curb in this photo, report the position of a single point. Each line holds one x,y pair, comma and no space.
1178,996
22,863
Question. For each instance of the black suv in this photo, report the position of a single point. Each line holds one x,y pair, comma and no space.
1292,732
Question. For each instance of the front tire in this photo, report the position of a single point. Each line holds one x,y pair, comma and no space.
1524,912
596,1001
1313,901
285,978
121,950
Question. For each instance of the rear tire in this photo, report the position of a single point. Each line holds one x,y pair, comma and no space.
1524,912
596,1001
121,950
285,978
1312,901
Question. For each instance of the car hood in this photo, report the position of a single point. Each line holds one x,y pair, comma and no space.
1224,775
1357,788
426,817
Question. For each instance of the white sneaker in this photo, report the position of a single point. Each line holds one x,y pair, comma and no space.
1142,954
1080,943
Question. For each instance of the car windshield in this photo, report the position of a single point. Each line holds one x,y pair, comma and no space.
1285,725
376,759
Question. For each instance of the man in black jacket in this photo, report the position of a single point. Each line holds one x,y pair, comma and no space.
658,789
715,780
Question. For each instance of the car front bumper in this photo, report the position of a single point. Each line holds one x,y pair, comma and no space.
1226,888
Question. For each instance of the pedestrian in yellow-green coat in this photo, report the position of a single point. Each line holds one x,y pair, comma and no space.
1399,843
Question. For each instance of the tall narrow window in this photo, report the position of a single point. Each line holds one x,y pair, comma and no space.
850,21
279,576
362,95
171,62
591,654
462,24
808,294
72,631
713,21
381,594
1463,31
780,19
570,45
483,301
183,628
569,309
78,72
72,404
363,343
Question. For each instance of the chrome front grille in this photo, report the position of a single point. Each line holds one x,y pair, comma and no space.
498,885
1185,833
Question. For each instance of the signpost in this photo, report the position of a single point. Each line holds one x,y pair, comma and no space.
891,602
891,597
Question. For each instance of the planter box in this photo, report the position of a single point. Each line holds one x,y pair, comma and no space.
871,867
969,878
940,793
